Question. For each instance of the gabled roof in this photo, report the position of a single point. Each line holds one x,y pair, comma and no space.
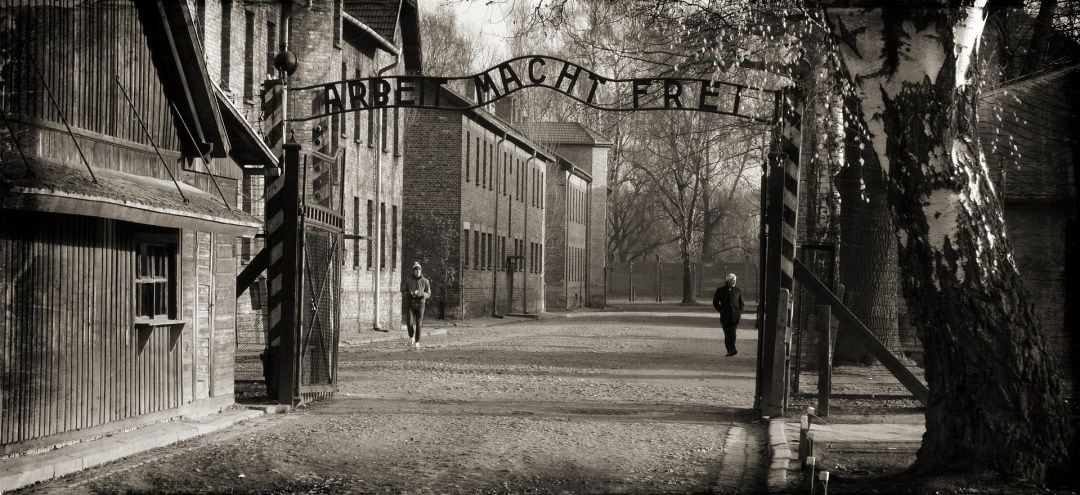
563,133
43,185
178,58
379,21
380,15
495,124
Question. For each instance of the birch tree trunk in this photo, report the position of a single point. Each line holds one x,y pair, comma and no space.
995,398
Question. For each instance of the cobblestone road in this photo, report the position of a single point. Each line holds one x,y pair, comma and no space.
614,403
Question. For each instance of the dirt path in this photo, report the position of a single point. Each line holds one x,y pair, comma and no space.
616,404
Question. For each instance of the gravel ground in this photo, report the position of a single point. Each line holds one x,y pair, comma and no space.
619,403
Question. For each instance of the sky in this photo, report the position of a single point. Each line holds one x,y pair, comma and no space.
487,17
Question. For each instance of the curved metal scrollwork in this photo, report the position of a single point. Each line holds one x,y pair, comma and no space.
541,71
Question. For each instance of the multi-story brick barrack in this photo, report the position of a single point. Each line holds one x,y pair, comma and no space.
578,188
474,199
332,41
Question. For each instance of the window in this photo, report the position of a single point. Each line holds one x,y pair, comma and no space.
505,171
155,277
271,49
383,126
370,233
342,123
357,116
382,235
249,55
539,258
356,232
466,250
490,244
393,237
540,189
468,157
478,160
397,132
483,251
491,170
499,263
485,177
371,128
476,250
226,43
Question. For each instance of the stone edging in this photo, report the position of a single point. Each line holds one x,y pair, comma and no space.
779,456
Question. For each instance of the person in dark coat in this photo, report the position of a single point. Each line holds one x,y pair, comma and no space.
416,290
728,302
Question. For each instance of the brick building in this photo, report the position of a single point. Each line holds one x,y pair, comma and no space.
1028,132
473,197
332,40
577,218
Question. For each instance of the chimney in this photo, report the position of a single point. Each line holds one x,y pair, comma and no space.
504,108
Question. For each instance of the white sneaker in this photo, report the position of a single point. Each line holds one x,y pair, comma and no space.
416,345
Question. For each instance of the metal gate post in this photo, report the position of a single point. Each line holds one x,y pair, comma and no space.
282,225
782,216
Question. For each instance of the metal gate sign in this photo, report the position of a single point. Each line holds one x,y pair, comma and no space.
538,71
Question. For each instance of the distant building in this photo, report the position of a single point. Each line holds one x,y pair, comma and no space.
1028,133
474,191
117,239
587,151
567,236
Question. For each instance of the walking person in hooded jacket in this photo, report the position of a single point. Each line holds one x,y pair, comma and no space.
728,302
415,290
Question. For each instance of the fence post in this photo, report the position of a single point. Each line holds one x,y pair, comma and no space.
775,400
631,291
659,280
823,320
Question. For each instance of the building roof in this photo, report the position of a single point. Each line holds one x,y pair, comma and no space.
563,133
380,15
43,185
496,124
1025,130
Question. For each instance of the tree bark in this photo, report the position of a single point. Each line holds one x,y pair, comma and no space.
995,399
867,257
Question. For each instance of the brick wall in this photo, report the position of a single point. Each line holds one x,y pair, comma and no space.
451,191
593,160
1024,132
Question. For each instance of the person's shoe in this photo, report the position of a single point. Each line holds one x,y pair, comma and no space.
416,345
732,353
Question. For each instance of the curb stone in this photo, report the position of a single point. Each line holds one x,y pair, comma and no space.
18,472
779,456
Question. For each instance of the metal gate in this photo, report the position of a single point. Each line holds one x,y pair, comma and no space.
322,228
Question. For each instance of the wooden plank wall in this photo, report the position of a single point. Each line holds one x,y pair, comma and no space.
70,356
80,48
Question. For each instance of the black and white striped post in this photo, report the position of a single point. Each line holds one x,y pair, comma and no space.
782,201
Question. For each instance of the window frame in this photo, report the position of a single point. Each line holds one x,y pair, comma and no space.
169,242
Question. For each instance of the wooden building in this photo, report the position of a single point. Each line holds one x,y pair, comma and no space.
117,237
474,191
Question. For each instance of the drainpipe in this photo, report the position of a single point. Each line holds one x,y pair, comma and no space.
379,220
495,269
525,238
